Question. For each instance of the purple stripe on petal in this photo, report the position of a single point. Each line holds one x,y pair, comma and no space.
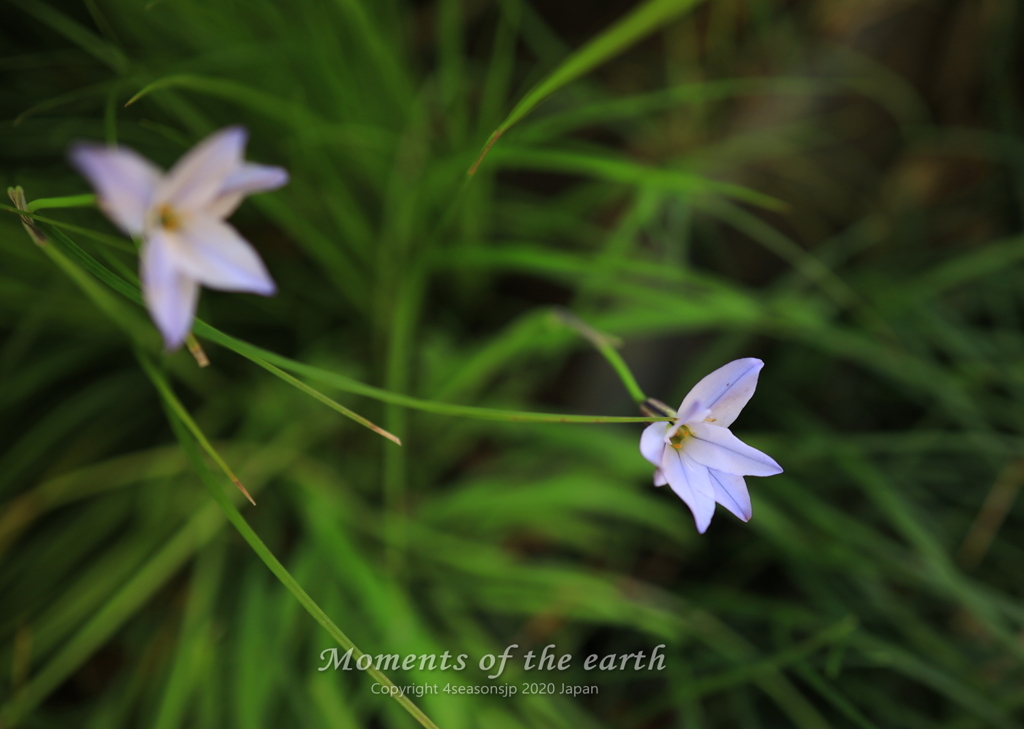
718,448
726,390
692,484
731,492
700,482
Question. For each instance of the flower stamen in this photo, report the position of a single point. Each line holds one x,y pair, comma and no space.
169,219
676,441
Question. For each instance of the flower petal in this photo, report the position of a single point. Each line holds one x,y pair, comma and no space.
726,390
215,255
659,477
718,448
731,492
197,179
170,294
652,442
248,179
124,181
692,483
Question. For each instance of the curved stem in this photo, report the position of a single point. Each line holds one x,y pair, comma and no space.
605,344
267,360
347,384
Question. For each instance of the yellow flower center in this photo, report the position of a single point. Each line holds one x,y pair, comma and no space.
676,441
169,219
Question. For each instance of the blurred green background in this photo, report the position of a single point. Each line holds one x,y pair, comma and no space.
833,186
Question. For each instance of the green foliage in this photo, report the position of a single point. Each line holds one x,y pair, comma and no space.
859,237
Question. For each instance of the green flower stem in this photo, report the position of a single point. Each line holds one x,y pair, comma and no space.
623,371
184,434
317,395
354,386
274,363
71,201
605,344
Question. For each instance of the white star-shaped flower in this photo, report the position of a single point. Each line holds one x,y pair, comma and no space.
180,218
698,456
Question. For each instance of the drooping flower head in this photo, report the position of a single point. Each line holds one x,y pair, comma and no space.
180,218
698,456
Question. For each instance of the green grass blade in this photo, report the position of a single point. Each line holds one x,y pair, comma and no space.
76,33
245,96
628,172
164,388
118,609
643,20
182,433
71,201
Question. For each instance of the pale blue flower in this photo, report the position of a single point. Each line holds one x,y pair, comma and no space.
698,456
180,218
